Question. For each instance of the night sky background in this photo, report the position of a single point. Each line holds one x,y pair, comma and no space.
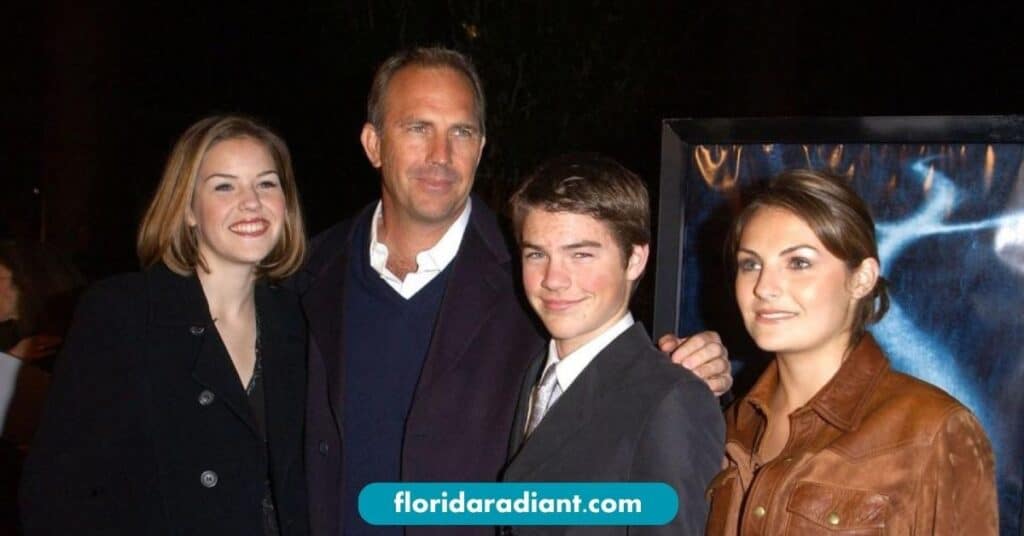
95,96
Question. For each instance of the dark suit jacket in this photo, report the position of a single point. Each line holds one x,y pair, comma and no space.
630,416
145,401
458,426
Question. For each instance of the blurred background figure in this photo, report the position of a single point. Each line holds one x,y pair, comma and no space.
38,287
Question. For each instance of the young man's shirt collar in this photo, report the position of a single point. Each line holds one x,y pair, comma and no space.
429,263
570,367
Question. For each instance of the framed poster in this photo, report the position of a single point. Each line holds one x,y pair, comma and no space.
947,195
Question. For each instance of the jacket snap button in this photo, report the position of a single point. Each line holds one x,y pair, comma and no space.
760,511
206,398
208,479
196,330
833,519
324,447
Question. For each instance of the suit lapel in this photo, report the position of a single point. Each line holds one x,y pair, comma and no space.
523,404
576,407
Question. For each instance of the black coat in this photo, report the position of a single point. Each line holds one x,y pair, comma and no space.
462,410
147,429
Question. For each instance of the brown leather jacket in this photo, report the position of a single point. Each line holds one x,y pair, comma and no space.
874,452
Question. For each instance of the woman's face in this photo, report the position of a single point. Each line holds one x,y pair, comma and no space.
794,295
238,207
8,295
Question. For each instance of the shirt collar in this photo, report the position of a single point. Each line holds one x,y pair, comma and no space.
572,365
435,259
843,400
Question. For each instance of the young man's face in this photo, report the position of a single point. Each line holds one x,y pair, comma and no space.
575,275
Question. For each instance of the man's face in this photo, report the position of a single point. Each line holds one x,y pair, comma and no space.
428,146
575,275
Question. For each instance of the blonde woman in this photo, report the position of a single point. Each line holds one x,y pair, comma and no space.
178,400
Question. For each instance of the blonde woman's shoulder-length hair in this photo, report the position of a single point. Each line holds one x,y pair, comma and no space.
164,235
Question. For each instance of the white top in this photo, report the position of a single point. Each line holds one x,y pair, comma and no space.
429,263
573,364
9,368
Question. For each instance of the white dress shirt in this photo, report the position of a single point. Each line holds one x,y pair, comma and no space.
573,364
10,366
429,263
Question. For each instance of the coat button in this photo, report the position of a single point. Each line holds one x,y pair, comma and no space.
196,330
208,478
324,447
833,519
760,511
206,397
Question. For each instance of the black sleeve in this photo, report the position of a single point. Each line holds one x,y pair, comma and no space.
682,446
82,468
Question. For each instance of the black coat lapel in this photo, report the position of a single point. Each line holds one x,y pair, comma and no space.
282,352
213,369
180,310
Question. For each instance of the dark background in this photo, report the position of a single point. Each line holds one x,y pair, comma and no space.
95,93
95,96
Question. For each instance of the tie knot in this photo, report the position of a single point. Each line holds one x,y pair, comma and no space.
548,377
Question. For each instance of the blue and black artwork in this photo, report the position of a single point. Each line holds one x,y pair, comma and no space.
950,223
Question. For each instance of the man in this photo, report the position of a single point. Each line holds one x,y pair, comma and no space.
602,403
418,336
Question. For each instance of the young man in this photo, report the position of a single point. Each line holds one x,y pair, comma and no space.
602,403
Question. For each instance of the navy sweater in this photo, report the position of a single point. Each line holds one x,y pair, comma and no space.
386,339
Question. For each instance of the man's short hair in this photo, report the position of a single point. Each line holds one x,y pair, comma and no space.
590,184
429,57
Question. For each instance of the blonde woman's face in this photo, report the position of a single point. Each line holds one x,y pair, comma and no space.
238,207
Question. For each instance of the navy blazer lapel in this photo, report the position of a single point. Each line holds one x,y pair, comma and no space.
180,307
575,408
282,353
479,272
324,300
322,304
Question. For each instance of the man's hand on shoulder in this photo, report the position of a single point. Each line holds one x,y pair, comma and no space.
704,354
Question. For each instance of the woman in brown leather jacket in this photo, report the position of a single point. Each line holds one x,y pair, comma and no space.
830,438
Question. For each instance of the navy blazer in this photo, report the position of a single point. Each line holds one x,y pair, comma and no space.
147,428
630,416
462,409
